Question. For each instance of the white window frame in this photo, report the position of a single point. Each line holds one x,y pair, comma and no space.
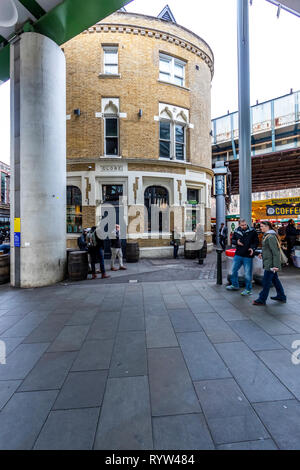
111,116
173,142
173,61
110,49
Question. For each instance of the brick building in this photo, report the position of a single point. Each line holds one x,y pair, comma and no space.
138,127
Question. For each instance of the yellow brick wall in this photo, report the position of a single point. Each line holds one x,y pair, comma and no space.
138,88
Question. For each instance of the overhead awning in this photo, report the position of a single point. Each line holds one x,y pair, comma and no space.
56,19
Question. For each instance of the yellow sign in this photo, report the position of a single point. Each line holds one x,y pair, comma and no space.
17,224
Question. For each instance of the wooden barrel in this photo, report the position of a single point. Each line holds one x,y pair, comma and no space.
132,252
189,252
78,265
4,268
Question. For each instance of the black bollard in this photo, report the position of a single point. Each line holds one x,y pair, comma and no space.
219,266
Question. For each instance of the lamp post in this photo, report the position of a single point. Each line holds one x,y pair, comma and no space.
220,172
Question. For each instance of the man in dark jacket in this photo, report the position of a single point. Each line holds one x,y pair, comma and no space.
223,234
96,251
245,240
290,236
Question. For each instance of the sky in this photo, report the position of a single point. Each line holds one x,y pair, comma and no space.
274,51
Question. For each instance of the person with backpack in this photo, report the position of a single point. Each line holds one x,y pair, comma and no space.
273,257
81,241
116,249
96,251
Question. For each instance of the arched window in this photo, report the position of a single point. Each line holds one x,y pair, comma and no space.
157,196
74,210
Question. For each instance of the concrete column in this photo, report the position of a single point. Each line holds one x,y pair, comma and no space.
38,161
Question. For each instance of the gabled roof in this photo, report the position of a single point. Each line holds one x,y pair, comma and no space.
167,15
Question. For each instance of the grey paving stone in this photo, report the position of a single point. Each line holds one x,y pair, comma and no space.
270,324
183,321
288,341
26,325
217,330
113,304
256,380
198,304
280,363
94,355
132,319
125,421
82,390
69,430
183,432
70,338
264,444
11,343
231,313
85,317
291,320
171,388
159,332
7,322
22,360
105,326
20,310
282,419
48,329
228,413
50,371
23,417
201,357
174,301
254,336
155,308
129,356
7,389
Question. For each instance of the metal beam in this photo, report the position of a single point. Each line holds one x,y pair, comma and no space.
33,7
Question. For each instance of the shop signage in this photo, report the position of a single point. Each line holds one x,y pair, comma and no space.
283,210
112,168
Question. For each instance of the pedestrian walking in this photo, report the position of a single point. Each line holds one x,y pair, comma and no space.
116,249
81,241
245,240
175,242
96,251
272,259
290,236
223,233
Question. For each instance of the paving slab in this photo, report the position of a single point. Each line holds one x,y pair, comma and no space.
70,338
201,358
7,389
174,301
254,336
216,329
132,319
69,430
264,444
160,332
171,388
228,412
105,326
280,363
271,325
183,320
125,420
129,355
50,371
290,342
48,329
182,432
11,343
94,355
198,304
255,379
20,362
82,390
7,322
85,317
23,417
25,325
282,419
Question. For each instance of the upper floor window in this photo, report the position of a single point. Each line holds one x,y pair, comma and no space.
171,70
110,66
111,125
172,140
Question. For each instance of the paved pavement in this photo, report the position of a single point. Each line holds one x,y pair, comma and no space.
177,364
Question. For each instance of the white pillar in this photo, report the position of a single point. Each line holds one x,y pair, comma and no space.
38,160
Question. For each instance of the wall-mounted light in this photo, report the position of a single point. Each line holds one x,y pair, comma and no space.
77,112
140,113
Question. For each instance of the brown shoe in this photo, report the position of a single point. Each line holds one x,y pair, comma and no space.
104,276
114,269
94,276
123,268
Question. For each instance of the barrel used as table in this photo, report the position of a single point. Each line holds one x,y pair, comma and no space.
78,265
132,252
4,268
189,250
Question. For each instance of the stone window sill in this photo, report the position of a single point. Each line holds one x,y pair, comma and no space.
174,84
108,75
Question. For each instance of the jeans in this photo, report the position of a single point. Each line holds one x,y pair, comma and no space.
97,254
238,262
268,279
175,250
116,253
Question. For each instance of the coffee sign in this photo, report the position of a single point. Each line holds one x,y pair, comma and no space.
283,210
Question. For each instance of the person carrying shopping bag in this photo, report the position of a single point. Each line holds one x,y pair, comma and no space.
273,258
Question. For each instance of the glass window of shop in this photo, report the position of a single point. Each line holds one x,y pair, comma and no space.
156,196
112,193
3,188
191,213
74,210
